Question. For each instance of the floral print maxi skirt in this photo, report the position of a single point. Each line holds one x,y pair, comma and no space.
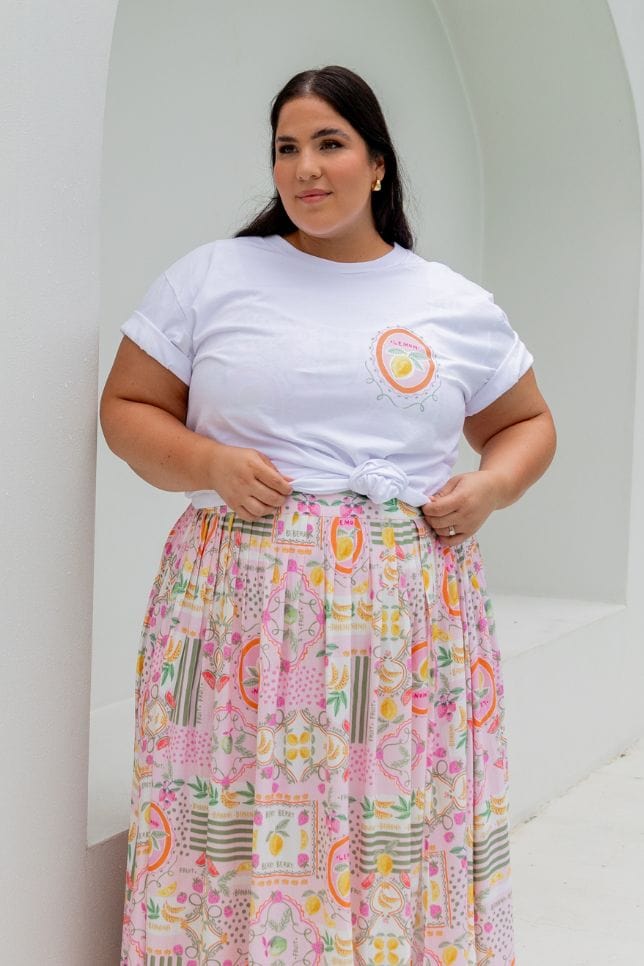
320,770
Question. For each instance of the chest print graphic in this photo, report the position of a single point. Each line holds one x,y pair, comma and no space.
403,367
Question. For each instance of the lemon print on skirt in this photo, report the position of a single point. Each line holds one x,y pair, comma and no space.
275,843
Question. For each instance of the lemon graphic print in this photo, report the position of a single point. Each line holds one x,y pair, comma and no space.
275,843
403,366
275,838
345,547
344,882
312,904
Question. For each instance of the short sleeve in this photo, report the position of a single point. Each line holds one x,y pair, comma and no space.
163,322
501,358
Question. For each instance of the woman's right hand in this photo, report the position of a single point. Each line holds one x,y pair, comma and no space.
249,482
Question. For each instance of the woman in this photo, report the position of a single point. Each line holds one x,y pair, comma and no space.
320,772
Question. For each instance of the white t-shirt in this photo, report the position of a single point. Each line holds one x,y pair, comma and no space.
347,375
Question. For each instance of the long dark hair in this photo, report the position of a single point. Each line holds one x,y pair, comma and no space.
351,97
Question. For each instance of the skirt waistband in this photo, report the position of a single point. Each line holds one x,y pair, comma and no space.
343,504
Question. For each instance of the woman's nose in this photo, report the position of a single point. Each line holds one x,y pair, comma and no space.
307,166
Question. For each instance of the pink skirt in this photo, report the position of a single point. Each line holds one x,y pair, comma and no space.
320,771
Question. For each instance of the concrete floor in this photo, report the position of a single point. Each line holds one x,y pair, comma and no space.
578,872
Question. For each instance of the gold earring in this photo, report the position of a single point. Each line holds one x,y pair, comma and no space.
377,186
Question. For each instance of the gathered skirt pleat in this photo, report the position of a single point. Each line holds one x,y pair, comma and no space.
320,773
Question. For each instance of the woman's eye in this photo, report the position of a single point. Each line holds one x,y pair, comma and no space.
285,148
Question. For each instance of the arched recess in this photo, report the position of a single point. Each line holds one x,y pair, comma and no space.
515,126
184,162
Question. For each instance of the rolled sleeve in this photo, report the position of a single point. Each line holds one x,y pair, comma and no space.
514,364
502,359
155,343
160,326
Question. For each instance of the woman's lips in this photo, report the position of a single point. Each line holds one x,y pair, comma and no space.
311,199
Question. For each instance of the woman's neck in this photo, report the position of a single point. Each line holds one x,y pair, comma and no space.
340,249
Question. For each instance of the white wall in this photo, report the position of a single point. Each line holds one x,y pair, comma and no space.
62,902
562,245
628,18
52,93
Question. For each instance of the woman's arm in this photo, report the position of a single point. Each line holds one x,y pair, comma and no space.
143,413
516,438
143,417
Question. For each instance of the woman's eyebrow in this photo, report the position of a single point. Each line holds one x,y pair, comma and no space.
322,133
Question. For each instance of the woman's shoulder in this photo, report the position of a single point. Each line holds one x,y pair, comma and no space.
219,255
449,281
220,248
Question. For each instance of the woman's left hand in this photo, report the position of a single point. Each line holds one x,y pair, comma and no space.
465,502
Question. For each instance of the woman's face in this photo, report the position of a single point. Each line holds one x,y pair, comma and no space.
318,150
